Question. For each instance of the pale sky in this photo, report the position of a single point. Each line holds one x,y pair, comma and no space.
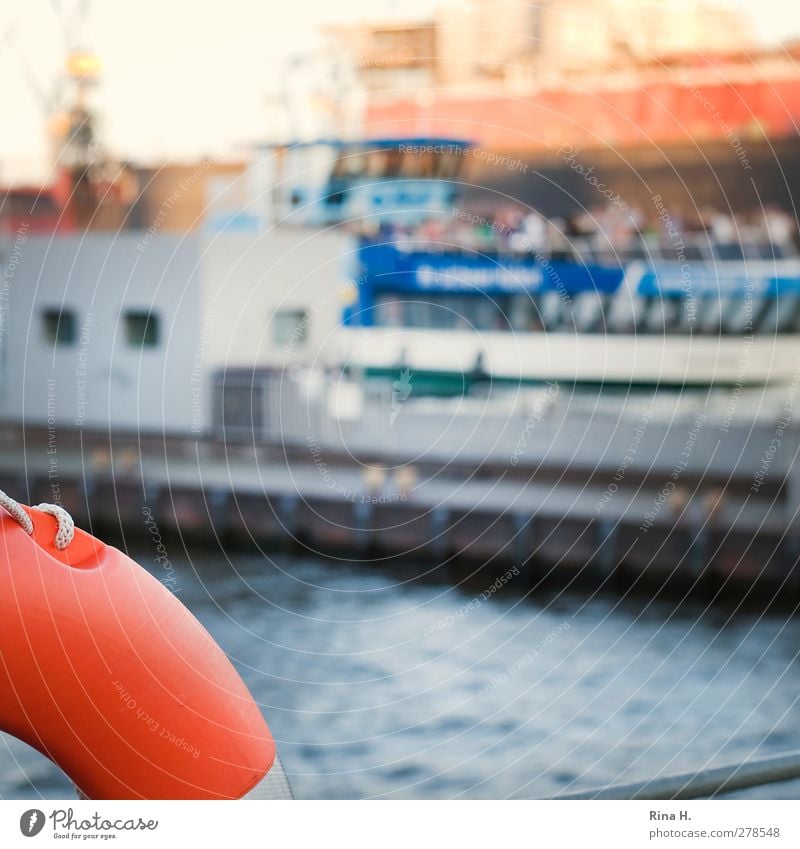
182,78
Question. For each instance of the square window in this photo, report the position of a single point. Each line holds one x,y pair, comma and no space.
290,328
60,326
141,329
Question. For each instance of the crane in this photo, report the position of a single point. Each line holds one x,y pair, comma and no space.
65,102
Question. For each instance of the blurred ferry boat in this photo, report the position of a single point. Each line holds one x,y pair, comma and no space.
320,310
670,309
696,313
223,268
338,256
330,182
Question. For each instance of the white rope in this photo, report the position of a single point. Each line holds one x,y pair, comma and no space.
15,509
66,527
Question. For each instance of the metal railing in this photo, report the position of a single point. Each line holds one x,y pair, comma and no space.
706,782
597,248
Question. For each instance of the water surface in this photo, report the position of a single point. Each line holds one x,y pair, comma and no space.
378,686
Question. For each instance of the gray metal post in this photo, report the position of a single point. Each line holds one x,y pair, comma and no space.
706,782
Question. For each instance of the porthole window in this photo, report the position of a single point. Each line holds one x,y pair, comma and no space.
59,326
290,328
141,329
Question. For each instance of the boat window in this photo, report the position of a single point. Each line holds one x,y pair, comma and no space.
375,161
419,165
394,163
59,326
424,313
779,315
770,251
730,251
709,317
450,164
290,328
353,163
489,314
737,315
787,309
241,404
448,312
636,250
687,320
644,308
141,329
585,312
350,164
692,252
463,312
551,310
664,316
523,314
750,250
587,309
389,311
424,162
622,312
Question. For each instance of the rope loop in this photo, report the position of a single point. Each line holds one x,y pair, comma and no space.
66,526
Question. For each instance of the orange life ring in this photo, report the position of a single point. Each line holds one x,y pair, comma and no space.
105,671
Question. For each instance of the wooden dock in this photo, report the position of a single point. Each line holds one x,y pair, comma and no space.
564,524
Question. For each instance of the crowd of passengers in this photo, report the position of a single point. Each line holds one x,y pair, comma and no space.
606,232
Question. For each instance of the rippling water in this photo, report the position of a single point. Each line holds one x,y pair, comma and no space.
376,685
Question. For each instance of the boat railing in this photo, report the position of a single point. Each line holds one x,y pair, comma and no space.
599,249
702,783
688,247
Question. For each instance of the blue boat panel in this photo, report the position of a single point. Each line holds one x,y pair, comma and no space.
386,268
686,281
379,143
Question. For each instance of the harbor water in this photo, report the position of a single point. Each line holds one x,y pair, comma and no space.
379,683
